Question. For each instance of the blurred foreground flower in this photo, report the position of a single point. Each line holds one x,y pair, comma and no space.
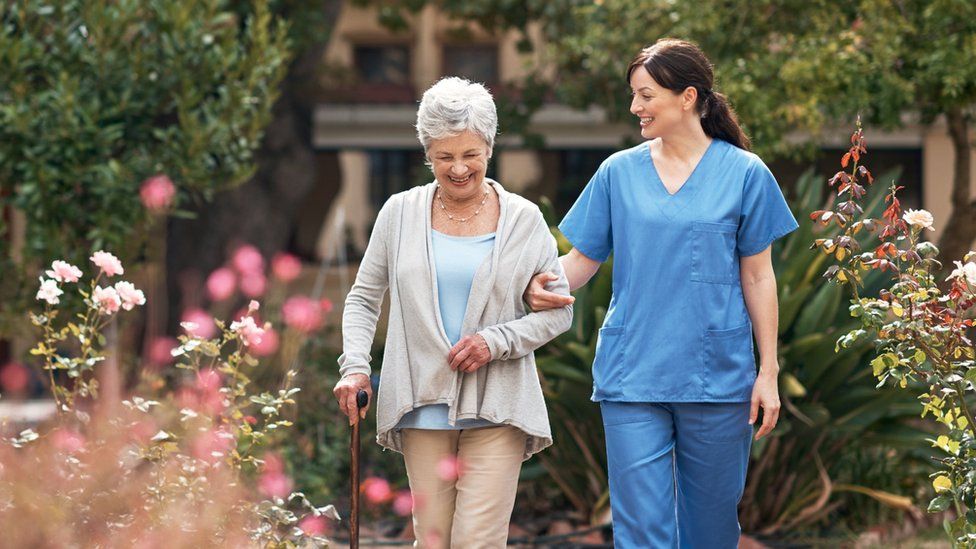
157,193
286,267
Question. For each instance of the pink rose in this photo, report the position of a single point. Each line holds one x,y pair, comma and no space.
211,446
108,263
198,323
130,295
273,463
403,503
161,350
143,430
253,284
68,441
63,271
286,267
221,284
247,259
449,468
106,299
249,332
377,490
208,381
275,485
268,345
14,377
313,525
157,193
302,313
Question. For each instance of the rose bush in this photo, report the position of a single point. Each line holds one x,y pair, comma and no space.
194,467
919,321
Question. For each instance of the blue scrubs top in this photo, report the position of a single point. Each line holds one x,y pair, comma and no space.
677,329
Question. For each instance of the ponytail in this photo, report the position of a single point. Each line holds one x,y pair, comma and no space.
719,120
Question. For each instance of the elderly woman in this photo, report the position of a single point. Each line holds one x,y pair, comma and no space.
458,390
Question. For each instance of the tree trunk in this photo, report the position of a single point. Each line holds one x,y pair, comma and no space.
262,210
960,228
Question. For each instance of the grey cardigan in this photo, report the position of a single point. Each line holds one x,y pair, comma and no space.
415,372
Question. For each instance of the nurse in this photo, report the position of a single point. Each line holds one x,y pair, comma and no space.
689,216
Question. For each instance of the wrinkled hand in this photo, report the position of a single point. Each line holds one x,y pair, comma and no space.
469,354
539,298
765,393
345,392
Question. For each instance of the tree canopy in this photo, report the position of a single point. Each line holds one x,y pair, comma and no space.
98,96
790,67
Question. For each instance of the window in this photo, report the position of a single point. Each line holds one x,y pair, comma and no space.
392,171
575,168
383,74
476,62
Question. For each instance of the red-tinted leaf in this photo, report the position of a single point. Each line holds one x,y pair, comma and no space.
865,173
845,160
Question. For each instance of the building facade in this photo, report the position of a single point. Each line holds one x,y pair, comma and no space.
375,78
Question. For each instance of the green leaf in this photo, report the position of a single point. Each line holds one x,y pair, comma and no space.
939,504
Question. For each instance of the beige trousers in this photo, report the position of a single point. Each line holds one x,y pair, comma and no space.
472,510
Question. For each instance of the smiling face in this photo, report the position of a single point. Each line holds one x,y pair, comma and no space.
459,164
661,111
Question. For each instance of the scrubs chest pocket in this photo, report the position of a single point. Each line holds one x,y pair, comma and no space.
713,252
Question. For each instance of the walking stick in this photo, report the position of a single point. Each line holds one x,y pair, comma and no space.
362,399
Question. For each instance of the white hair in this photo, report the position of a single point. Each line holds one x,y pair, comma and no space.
454,105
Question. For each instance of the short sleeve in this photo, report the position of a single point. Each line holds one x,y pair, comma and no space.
587,225
765,215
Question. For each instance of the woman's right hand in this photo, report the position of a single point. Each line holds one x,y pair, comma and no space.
539,298
345,392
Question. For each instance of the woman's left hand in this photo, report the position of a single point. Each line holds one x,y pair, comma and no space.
765,393
469,354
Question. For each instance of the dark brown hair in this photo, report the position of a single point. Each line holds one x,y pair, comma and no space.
677,65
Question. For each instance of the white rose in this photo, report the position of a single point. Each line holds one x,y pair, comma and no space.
919,218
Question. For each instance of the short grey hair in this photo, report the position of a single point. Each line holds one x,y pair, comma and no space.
454,105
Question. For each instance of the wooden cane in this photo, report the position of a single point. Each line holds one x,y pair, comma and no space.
362,399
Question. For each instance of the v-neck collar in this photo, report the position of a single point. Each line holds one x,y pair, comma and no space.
480,275
672,204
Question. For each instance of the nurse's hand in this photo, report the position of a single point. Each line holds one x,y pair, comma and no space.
469,354
345,392
765,393
539,298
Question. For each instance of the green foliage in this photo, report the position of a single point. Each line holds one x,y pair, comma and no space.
97,96
576,463
788,65
832,415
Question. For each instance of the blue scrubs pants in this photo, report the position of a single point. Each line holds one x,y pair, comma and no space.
677,472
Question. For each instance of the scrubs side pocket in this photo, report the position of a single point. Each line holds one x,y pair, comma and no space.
608,367
713,252
730,365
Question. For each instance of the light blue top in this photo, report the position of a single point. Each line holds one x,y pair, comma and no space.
456,258
677,329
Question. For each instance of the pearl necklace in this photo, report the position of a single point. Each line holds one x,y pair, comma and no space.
450,216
